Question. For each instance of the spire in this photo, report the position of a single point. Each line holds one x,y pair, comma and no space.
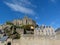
25,16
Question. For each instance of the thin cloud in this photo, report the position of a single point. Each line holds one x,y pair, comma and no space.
54,1
24,3
21,6
55,24
36,17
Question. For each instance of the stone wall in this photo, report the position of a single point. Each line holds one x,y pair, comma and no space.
38,41
32,41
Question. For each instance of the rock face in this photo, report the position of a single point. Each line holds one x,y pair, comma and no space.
58,33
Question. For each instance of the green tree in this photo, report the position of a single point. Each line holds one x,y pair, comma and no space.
9,23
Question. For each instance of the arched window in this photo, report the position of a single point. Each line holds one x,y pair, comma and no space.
48,32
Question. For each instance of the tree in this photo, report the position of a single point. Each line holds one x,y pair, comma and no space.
9,23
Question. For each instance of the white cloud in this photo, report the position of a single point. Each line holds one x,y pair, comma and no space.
21,6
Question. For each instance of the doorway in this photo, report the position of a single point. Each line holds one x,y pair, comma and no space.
9,43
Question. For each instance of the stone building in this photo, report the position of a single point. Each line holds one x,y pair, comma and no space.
24,21
0,26
44,31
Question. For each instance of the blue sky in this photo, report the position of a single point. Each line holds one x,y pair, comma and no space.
42,11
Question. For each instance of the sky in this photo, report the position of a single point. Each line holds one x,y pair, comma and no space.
45,12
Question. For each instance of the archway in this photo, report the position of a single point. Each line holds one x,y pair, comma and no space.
9,43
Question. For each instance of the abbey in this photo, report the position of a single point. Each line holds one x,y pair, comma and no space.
29,32
24,21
